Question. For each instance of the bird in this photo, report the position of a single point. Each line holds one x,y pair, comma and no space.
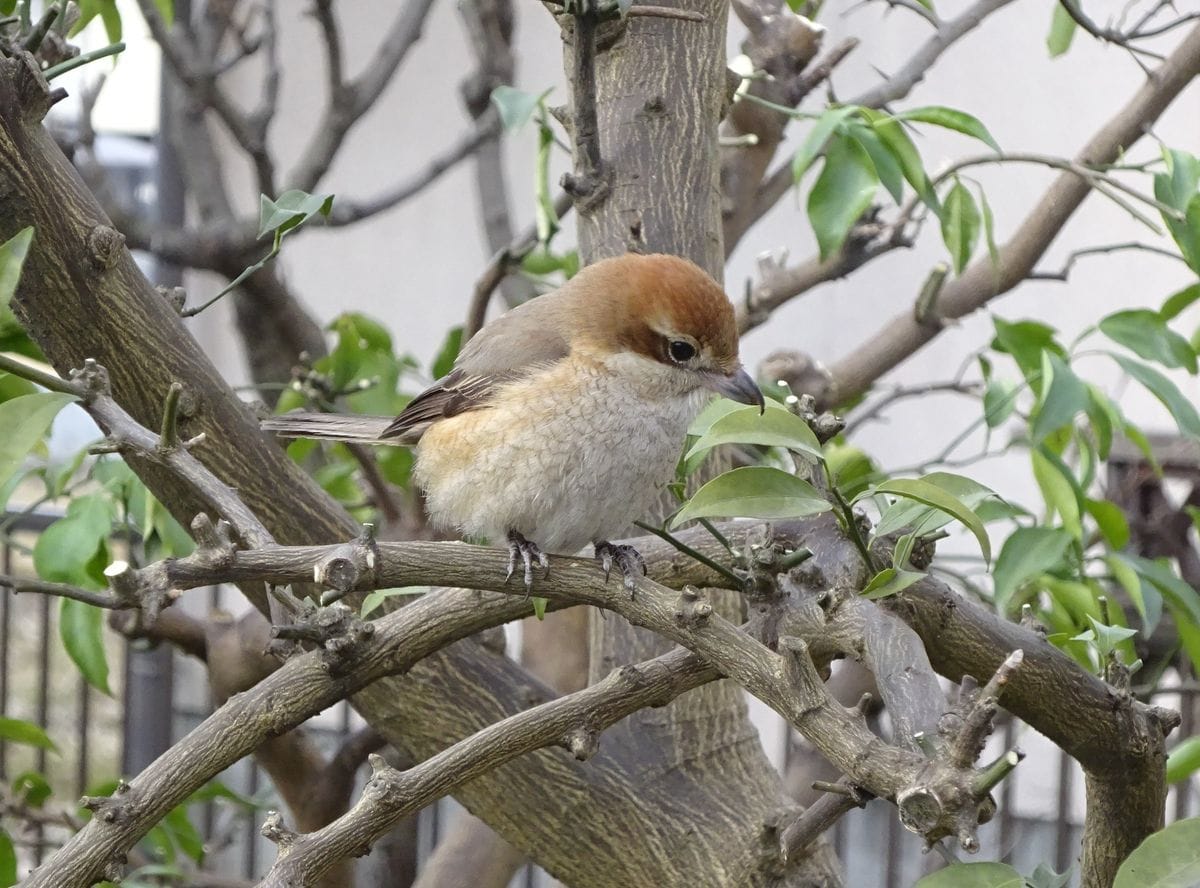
562,420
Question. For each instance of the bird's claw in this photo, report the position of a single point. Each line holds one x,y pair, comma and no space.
529,553
627,558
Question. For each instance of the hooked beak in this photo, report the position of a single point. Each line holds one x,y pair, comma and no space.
737,386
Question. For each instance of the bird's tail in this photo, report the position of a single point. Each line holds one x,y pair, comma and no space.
331,427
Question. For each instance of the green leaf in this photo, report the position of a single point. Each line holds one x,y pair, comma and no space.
448,353
8,860
65,551
1183,760
1062,31
949,118
822,129
974,875
111,16
1063,397
925,519
290,210
25,420
1177,302
1060,489
773,428
1028,552
715,409
889,581
886,167
1110,520
31,788
539,606
999,401
842,193
893,135
1181,409
184,834
989,230
932,495
516,107
166,9
1146,334
1168,859
12,257
1160,574
1025,341
15,730
753,492
960,225
1106,637
81,627
1145,598
850,467
374,599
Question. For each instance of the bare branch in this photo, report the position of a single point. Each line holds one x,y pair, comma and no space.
181,56
352,100
573,721
982,281
348,211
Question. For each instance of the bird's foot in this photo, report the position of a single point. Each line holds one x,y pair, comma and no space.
627,558
529,553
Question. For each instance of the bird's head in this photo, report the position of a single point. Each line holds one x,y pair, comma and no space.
669,311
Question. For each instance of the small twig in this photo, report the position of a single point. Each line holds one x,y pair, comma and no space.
82,59
62,590
500,265
587,184
738,582
168,438
1075,255
37,376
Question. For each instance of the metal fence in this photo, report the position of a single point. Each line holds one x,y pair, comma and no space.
160,694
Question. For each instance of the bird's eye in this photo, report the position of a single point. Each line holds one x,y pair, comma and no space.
681,351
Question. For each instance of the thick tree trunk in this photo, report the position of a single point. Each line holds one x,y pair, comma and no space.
603,823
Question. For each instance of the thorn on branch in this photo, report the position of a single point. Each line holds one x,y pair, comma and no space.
967,742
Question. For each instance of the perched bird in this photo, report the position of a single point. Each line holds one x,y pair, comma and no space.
563,418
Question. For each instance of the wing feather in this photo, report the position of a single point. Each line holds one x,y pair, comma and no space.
523,341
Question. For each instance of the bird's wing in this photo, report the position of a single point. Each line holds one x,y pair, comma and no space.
526,339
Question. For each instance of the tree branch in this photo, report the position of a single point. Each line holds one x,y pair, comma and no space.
352,100
981,281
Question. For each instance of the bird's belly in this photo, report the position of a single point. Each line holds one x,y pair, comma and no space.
562,475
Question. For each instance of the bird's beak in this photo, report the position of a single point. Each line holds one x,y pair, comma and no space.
737,386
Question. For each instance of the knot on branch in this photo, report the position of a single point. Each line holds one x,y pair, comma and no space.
104,247
582,742
92,378
350,566
274,830
335,629
692,610
147,590
383,777
801,673
793,369
825,425
215,547
110,808
950,797
33,96
176,297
